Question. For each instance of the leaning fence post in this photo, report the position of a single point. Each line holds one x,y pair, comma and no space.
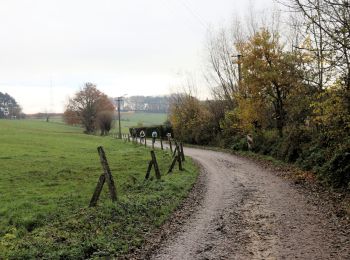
161,143
150,164
172,165
171,146
179,159
174,153
105,177
153,162
107,172
176,148
97,192
182,152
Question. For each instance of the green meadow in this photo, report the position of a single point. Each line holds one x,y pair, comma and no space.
132,119
128,120
48,172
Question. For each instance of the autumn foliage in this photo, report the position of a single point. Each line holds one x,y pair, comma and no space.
294,102
90,108
189,118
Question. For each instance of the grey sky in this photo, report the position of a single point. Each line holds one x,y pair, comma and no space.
125,47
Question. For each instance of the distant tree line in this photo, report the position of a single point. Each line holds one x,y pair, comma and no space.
9,108
154,104
288,88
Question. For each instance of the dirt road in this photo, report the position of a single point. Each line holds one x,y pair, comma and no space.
248,212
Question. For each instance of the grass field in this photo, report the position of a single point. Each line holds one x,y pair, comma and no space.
132,119
128,120
48,174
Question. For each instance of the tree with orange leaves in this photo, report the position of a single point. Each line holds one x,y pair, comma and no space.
86,106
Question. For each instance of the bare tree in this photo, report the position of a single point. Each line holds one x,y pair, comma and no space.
329,22
223,71
223,52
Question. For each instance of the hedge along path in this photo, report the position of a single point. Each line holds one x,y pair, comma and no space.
106,176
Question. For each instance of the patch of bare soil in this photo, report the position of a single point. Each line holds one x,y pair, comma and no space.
243,210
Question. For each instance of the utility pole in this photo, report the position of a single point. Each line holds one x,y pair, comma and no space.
239,56
119,99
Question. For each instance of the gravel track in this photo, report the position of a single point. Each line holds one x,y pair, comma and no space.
247,212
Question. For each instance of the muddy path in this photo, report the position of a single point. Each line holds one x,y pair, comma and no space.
247,212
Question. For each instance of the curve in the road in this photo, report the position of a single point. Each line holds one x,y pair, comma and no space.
249,213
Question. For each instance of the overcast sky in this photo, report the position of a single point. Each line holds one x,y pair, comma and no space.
49,48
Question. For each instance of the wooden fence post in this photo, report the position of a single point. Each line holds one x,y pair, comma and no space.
153,162
171,146
107,172
150,164
179,159
182,152
172,165
97,192
161,143
105,177
176,148
145,141
174,153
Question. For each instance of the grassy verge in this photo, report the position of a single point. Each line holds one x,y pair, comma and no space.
48,174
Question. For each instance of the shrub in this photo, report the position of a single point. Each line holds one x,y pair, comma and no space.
105,121
291,147
265,142
239,143
336,171
312,157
